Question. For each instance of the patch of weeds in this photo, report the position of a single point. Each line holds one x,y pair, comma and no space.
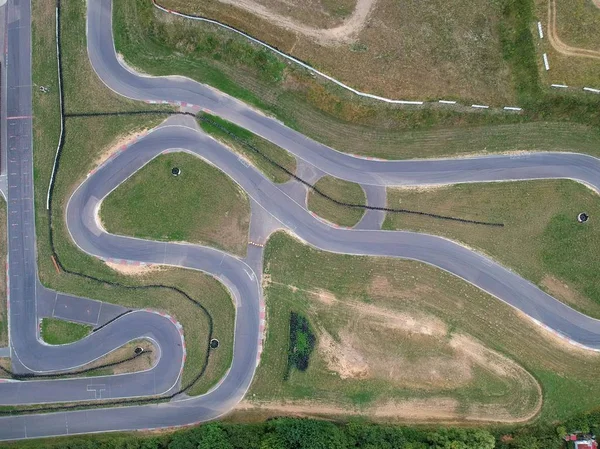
302,343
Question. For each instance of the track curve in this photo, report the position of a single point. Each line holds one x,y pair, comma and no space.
177,134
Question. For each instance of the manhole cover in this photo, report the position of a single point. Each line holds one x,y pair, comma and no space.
582,217
214,343
175,171
138,350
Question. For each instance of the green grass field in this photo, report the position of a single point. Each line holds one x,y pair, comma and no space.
339,190
60,332
208,54
86,141
201,205
339,292
242,141
541,238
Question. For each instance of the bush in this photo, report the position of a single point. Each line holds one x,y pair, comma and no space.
302,343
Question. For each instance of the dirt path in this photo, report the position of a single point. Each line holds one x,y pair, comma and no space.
331,36
559,45
596,2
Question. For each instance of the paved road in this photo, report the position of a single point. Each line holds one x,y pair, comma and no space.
273,206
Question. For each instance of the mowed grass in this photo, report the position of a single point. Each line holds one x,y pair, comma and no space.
85,142
541,238
164,45
274,162
200,205
342,191
329,287
61,332
3,299
405,51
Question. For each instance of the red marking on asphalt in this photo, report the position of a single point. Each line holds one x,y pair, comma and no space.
173,320
262,315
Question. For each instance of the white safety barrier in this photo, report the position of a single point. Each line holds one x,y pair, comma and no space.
546,62
589,89
294,60
541,33
562,86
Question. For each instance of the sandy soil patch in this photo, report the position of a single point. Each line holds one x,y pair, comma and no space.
134,270
349,28
342,357
559,45
117,144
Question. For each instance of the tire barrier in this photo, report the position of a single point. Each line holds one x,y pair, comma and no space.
340,203
24,376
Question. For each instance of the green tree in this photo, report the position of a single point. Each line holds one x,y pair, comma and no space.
212,436
308,434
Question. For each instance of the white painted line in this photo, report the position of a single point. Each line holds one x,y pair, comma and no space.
480,106
562,86
546,62
447,102
512,108
541,33
589,89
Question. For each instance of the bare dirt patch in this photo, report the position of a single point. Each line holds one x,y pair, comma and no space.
560,290
117,144
559,45
140,363
332,36
409,50
134,270
415,410
342,357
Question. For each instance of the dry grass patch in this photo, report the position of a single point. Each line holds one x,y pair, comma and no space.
403,50
511,341
571,42
382,350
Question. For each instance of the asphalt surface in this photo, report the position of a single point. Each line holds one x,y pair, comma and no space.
273,207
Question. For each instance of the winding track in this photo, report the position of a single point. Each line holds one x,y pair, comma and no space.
241,277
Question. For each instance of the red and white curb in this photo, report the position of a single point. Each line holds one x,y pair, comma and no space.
261,328
561,336
180,329
119,151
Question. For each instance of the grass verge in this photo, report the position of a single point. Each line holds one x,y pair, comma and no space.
200,205
347,296
86,141
541,238
233,135
163,45
61,332
3,298
340,190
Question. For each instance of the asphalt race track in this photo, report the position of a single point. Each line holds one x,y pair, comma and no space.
273,207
